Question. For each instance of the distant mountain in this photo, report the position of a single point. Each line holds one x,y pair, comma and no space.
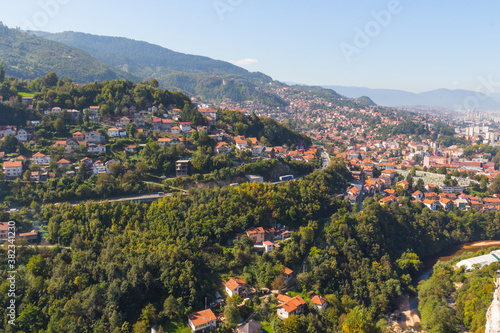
446,98
144,59
27,56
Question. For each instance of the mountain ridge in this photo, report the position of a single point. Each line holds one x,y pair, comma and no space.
28,56
447,98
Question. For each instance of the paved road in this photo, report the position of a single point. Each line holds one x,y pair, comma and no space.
326,160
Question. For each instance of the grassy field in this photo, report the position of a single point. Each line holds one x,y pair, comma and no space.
27,94
267,327
176,327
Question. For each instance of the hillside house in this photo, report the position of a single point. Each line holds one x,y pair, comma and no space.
94,137
251,326
202,321
235,287
295,306
320,302
40,158
13,169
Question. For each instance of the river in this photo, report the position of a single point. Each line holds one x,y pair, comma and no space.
452,252
409,306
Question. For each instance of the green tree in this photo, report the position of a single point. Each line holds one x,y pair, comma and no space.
359,320
291,325
2,72
154,83
36,265
232,315
51,79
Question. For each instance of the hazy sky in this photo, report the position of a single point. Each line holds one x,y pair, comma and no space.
414,45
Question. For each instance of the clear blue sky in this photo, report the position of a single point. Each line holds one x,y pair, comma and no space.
423,45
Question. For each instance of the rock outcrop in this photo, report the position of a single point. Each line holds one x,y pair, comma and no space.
493,314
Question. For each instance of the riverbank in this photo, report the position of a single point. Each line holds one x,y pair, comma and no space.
409,317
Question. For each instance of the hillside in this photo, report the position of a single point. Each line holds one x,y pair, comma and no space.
28,57
196,75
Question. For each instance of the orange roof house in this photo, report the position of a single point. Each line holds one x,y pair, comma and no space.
320,302
294,306
202,320
235,287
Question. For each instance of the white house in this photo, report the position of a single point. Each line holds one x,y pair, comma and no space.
93,137
22,135
13,169
235,287
268,246
320,302
258,150
431,204
185,126
117,132
222,147
202,321
295,306
98,167
162,142
7,130
96,149
40,158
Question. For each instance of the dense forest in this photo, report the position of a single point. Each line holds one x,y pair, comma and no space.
471,293
147,60
124,267
27,56
266,130
114,97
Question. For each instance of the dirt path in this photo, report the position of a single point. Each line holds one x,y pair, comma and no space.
410,317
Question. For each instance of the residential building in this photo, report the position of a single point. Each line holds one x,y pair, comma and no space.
116,132
78,136
98,167
320,302
222,147
40,158
7,130
96,149
447,204
295,306
94,137
182,168
22,135
163,142
268,246
31,237
256,234
13,169
4,231
288,274
235,287
63,163
185,126
202,321
431,204
251,326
